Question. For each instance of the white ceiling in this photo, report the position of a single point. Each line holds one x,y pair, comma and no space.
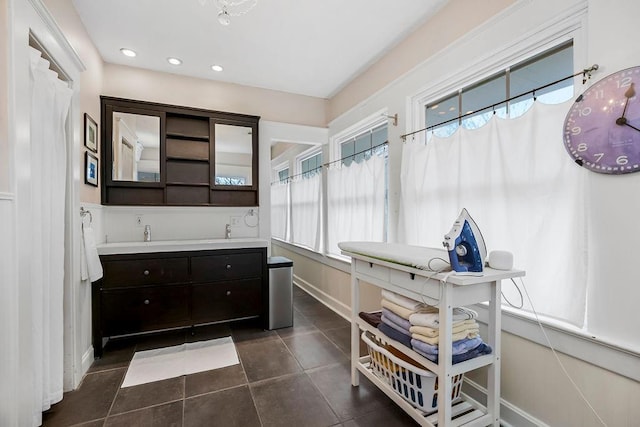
308,47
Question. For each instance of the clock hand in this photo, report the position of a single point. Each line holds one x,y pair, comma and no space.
630,93
631,126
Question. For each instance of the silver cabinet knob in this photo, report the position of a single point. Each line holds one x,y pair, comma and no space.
228,266
228,293
146,302
146,272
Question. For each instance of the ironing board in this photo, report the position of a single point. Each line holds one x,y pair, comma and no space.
392,269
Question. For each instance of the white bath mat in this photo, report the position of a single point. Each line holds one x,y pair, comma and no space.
170,362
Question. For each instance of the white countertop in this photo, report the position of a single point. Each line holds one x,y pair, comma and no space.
179,245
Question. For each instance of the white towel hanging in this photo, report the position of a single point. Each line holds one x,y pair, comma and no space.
91,266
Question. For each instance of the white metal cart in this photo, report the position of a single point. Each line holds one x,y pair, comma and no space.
425,285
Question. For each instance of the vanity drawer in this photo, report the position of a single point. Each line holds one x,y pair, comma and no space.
144,309
227,266
212,302
144,271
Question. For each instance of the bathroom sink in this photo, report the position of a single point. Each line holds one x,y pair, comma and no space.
179,245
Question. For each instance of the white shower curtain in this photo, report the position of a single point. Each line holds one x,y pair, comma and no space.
280,210
526,195
50,101
356,202
306,207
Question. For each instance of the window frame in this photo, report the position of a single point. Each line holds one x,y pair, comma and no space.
306,155
520,50
279,168
367,124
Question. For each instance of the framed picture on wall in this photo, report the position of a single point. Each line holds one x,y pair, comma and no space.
90,133
90,169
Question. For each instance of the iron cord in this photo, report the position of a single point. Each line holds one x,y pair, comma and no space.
586,75
521,297
434,301
553,350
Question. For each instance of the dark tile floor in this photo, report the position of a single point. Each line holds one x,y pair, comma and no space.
297,376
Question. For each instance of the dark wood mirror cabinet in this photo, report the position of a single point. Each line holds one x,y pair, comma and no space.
158,154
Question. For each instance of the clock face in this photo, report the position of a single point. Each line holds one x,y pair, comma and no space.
602,128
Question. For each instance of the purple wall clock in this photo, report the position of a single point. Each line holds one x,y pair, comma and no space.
602,128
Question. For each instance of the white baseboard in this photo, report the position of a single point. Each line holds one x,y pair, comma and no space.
338,307
510,415
87,360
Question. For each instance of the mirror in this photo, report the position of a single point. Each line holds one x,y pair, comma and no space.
136,147
233,155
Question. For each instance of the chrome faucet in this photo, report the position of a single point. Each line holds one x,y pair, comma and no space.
147,233
227,231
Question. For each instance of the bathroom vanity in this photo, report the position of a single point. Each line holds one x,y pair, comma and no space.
152,286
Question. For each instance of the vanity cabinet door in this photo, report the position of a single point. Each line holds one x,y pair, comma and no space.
226,267
144,309
212,302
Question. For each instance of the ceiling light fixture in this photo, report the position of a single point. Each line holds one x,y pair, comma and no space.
174,61
127,52
217,68
229,8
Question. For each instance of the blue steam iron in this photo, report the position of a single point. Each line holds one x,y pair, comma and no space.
465,245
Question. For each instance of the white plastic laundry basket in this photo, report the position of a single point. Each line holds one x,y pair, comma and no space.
416,385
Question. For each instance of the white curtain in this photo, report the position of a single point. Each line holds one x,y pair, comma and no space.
280,210
50,101
356,203
306,208
526,195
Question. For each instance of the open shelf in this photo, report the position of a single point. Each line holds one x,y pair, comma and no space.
458,368
187,149
464,410
449,291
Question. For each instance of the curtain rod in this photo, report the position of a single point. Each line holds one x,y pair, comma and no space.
331,162
586,74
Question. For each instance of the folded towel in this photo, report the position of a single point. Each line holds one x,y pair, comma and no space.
467,333
394,334
395,325
91,268
397,309
401,300
371,318
424,347
482,349
432,320
404,323
458,347
466,344
432,333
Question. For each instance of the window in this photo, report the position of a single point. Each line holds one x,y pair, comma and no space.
478,102
230,180
363,145
306,202
311,165
283,175
357,204
506,193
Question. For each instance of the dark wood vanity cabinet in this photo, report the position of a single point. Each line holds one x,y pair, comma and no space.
168,155
155,291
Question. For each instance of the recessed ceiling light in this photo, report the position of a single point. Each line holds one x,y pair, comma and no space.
128,52
174,61
217,68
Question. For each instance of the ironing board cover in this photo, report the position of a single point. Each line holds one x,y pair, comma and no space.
421,257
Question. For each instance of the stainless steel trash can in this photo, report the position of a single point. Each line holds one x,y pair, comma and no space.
280,292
